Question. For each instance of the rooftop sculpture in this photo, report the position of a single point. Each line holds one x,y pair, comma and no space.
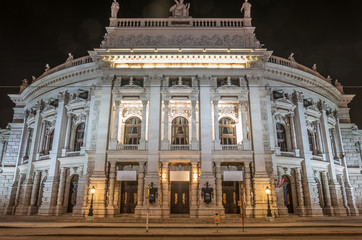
180,9
247,9
114,9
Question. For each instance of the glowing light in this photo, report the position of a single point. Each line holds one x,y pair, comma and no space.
195,176
267,190
93,190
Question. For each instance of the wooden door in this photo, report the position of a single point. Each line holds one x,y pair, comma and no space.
180,198
129,196
230,197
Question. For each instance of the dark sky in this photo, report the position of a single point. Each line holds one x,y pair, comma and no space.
36,32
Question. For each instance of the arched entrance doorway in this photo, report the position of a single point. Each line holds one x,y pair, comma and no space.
72,200
288,196
129,196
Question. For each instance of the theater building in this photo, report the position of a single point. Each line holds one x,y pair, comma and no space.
194,111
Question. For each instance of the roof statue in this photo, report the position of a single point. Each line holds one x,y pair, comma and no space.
24,85
114,9
339,86
180,9
33,78
70,57
47,67
247,9
329,79
291,57
314,67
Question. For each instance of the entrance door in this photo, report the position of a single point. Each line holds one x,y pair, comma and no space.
129,196
180,198
287,191
230,197
72,200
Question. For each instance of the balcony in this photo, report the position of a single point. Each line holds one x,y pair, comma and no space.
180,147
129,147
231,147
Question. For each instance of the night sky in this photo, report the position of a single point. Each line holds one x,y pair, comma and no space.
36,32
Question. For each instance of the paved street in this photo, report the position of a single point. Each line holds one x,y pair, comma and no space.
57,228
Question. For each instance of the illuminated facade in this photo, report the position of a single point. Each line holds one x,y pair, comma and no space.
193,107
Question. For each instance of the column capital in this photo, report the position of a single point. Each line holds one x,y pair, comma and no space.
166,102
298,97
63,96
144,102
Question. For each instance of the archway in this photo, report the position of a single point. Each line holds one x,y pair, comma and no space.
72,200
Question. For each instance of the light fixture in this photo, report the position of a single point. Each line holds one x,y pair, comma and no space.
93,190
267,190
195,176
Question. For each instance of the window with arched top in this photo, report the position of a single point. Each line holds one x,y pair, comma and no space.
311,141
79,137
133,131
227,131
180,131
281,137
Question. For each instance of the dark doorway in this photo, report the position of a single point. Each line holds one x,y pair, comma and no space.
180,198
129,196
72,200
288,197
231,197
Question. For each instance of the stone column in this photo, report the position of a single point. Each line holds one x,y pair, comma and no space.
67,134
114,140
27,187
294,136
334,186
248,202
34,194
218,185
59,210
86,123
165,141
328,209
111,186
194,190
194,142
141,187
246,141
299,188
320,143
312,207
142,145
165,198
344,197
216,125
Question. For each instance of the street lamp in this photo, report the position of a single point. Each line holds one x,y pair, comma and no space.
269,214
90,214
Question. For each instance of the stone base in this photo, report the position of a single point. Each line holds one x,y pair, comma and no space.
21,210
46,210
301,211
59,210
111,211
328,211
210,211
153,212
340,211
314,211
32,210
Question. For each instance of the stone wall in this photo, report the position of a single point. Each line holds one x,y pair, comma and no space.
11,154
350,137
355,176
6,180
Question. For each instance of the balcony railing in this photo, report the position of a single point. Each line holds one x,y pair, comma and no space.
69,64
231,147
180,147
294,64
129,147
171,22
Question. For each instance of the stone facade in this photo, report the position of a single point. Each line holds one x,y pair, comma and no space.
181,116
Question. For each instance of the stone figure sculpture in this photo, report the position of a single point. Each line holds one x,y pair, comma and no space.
291,57
114,9
247,9
47,67
314,67
180,9
70,57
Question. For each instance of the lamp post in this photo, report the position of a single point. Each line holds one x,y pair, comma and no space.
269,214
90,214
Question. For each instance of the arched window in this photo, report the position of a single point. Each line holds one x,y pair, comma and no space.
133,131
311,141
227,131
79,137
180,131
282,139
51,137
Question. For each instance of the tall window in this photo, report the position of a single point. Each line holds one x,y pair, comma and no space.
133,131
180,131
311,141
281,135
79,137
51,137
227,131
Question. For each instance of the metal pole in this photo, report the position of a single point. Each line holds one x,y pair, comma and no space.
242,211
148,213
269,214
